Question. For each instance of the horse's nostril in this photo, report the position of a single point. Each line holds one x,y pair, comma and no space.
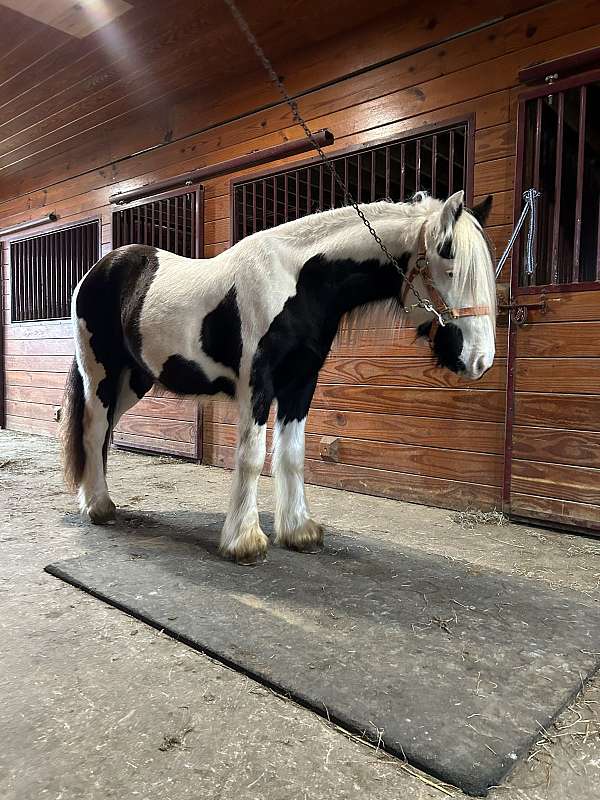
480,366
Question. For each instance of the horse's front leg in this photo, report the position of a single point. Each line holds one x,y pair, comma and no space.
242,538
294,527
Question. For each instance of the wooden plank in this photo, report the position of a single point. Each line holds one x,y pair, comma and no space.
494,143
175,430
29,410
26,425
391,371
494,176
177,408
564,307
451,435
34,394
475,404
45,380
547,340
574,375
577,448
38,363
568,411
39,330
382,483
38,347
556,480
151,444
549,509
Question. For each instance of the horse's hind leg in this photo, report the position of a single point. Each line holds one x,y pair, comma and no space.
294,527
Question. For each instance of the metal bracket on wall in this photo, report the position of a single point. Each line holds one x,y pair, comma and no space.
520,310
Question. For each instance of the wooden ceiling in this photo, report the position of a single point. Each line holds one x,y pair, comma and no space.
72,73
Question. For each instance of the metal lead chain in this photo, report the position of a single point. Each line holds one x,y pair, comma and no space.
243,25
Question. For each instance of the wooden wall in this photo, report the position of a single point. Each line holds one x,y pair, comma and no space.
405,430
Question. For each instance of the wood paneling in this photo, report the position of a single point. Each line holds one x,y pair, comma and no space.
579,448
568,411
406,430
559,481
549,510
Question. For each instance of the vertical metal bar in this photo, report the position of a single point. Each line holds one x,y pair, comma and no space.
161,222
387,171
199,215
297,173
359,180
333,184
345,200
434,165
373,176
168,204
145,212
285,197
451,164
253,206
46,289
56,270
193,203
464,161
39,277
556,278
402,173
537,144
152,224
264,205
418,165
49,277
321,187
244,216
308,191
275,215
579,190
184,235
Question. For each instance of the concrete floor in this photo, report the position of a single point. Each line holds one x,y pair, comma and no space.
96,705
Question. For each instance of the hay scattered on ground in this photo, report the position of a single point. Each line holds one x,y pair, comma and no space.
471,518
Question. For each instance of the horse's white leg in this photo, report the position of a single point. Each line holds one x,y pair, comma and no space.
93,496
294,527
242,537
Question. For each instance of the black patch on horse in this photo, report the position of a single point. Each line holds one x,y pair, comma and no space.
447,345
222,333
183,376
291,353
124,275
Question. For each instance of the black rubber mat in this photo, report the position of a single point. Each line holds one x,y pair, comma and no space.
454,668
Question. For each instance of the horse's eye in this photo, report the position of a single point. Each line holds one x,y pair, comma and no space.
450,274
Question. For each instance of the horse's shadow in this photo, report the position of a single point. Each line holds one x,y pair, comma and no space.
186,544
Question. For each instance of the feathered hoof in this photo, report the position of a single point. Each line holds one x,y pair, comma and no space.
250,547
102,512
308,538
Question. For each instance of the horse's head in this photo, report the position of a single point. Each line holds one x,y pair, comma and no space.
456,270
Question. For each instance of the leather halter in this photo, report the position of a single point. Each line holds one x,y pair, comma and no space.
446,312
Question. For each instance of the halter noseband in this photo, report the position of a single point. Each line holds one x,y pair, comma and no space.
445,312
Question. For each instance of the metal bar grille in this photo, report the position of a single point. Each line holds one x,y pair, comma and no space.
393,171
45,269
558,157
170,222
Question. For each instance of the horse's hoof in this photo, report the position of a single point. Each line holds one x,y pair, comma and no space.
250,547
103,512
308,538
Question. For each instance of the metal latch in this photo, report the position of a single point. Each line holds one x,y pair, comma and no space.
520,310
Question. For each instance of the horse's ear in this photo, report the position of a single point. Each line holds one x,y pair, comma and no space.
451,211
481,211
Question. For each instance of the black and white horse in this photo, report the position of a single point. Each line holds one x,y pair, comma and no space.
256,323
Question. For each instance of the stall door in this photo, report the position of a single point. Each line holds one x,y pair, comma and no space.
162,423
553,426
